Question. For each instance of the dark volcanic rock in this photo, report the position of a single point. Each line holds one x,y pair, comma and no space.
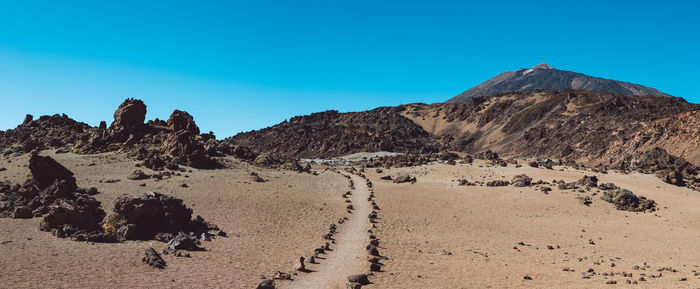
627,201
330,133
404,179
497,183
130,115
588,181
184,145
521,181
401,160
153,213
184,241
46,170
181,120
22,212
655,160
52,191
359,278
47,132
153,259
266,284
66,217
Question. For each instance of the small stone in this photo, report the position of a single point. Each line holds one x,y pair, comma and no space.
359,278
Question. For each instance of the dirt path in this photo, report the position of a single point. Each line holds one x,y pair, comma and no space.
348,255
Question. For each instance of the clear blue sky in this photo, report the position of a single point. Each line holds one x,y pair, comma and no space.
238,66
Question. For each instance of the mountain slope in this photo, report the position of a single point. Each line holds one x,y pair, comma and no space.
544,76
584,126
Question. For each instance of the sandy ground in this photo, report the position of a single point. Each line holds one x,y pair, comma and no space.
348,255
434,233
269,225
440,235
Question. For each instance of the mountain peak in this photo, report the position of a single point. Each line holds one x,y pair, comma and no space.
544,76
543,66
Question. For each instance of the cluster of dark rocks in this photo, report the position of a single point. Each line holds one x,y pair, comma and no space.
399,161
625,200
671,169
155,216
68,211
51,190
497,183
330,133
492,157
48,132
159,144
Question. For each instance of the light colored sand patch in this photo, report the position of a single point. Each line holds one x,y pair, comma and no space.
269,225
440,235
348,255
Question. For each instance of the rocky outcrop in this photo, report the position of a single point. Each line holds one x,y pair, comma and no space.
47,132
152,213
51,190
159,144
130,115
181,120
653,160
330,133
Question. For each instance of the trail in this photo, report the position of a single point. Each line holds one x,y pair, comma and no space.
348,256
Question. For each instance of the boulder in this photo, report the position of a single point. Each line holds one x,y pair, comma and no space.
181,120
66,216
45,170
521,181
130,114
358,278
154,213
153,259
404,179
588,181
673,177
266,284
27,119
138,175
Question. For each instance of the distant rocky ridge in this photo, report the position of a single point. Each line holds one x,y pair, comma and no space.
330,133
176,141
589,127
544,76
157,143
